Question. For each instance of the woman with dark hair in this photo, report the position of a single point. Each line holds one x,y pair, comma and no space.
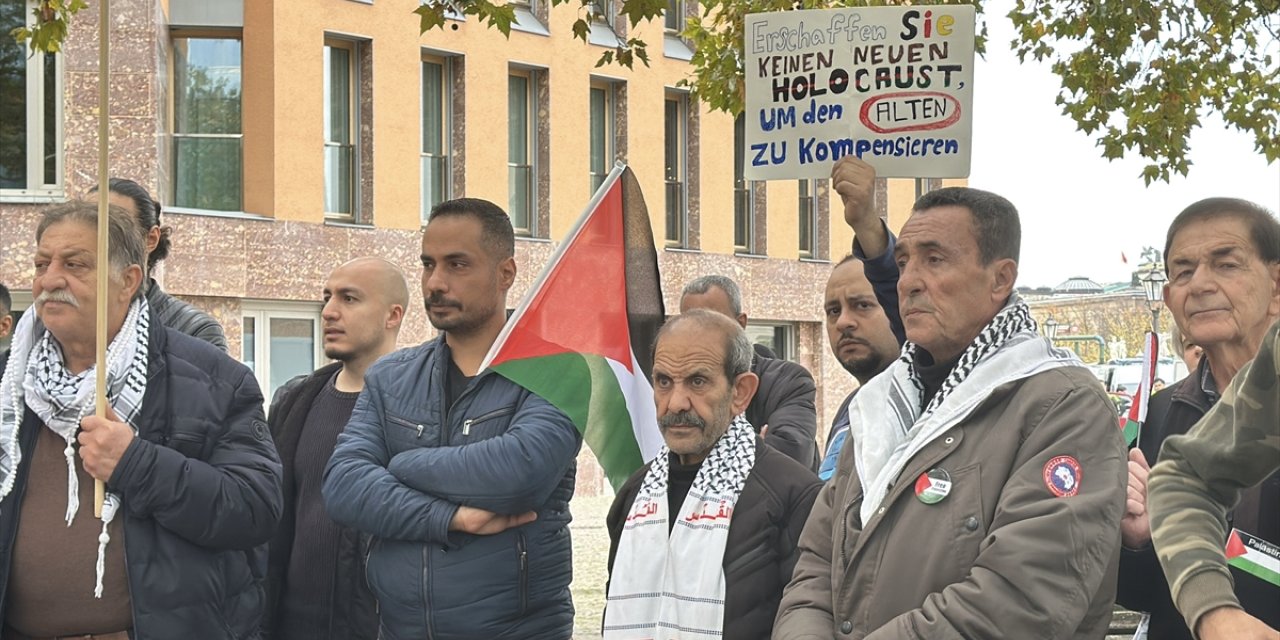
172,312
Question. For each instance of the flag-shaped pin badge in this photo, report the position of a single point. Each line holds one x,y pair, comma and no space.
1253,555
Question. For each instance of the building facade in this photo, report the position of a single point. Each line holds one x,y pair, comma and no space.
285,137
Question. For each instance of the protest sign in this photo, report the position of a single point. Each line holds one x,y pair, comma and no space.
891,85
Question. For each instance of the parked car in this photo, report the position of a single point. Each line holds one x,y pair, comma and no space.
1124,374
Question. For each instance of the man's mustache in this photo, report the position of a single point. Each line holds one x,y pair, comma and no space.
682,419
57,295
441,301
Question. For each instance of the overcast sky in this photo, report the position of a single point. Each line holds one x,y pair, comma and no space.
1080,212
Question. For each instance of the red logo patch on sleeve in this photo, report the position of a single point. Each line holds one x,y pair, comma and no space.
1062,476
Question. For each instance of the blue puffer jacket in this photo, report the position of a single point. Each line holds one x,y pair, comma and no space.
404,464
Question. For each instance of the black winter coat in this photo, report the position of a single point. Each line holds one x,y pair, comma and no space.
352,608
1142,585
201,496
762,548
785,402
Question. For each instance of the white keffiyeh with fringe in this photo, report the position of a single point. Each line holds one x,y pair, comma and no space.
888,423
671,586
36,377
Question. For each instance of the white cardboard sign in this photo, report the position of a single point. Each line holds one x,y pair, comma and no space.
892,85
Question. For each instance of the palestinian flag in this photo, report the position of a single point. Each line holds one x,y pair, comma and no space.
582,336
1254,555
1132,424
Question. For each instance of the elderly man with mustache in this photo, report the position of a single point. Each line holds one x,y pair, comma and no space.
984,466
703,538
193,480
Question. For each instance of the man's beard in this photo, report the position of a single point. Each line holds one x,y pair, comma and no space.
866,366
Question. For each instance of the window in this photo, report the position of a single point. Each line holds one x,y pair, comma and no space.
601,11
674,18
340,116
780,338
675,126
522,133
21,304
30,113
601,144
280,340
743,213
437,99
808,219
207,139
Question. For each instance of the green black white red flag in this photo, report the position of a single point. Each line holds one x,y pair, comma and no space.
582,337
1254,555
1132,424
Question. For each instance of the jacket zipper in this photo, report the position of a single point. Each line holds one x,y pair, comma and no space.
426,590
133,613
524,572
412,426
466,424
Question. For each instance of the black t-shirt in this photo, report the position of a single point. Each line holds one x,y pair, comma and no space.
309,586
679,481
456,384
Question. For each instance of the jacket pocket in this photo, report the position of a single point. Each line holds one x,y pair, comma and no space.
188,444
403,434
967,521
486,425
850,523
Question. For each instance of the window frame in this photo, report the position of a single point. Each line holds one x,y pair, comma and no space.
674,8
784,337
677,238
35,101
353,125
744,219
262,312
446,129
176,34
530,227
597,175
807,206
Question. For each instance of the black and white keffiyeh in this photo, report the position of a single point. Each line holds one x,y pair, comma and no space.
888,422
36,376
672,585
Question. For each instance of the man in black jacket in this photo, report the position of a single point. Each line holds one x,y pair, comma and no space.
705,536
192,479
171,312
1222,256
316,587
783,406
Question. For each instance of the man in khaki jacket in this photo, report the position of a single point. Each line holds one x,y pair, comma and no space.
982,491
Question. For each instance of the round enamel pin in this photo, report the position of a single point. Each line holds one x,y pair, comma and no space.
933,486
1062,476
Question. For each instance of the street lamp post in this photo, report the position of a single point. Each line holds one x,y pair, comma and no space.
1153,285
1050,328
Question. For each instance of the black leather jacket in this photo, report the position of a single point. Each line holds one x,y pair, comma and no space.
184,318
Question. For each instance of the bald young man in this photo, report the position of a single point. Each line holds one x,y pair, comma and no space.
316,586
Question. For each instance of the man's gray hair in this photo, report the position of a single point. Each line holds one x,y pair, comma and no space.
729,287
738,352
127,246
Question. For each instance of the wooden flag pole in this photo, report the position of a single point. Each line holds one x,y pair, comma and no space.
104,230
